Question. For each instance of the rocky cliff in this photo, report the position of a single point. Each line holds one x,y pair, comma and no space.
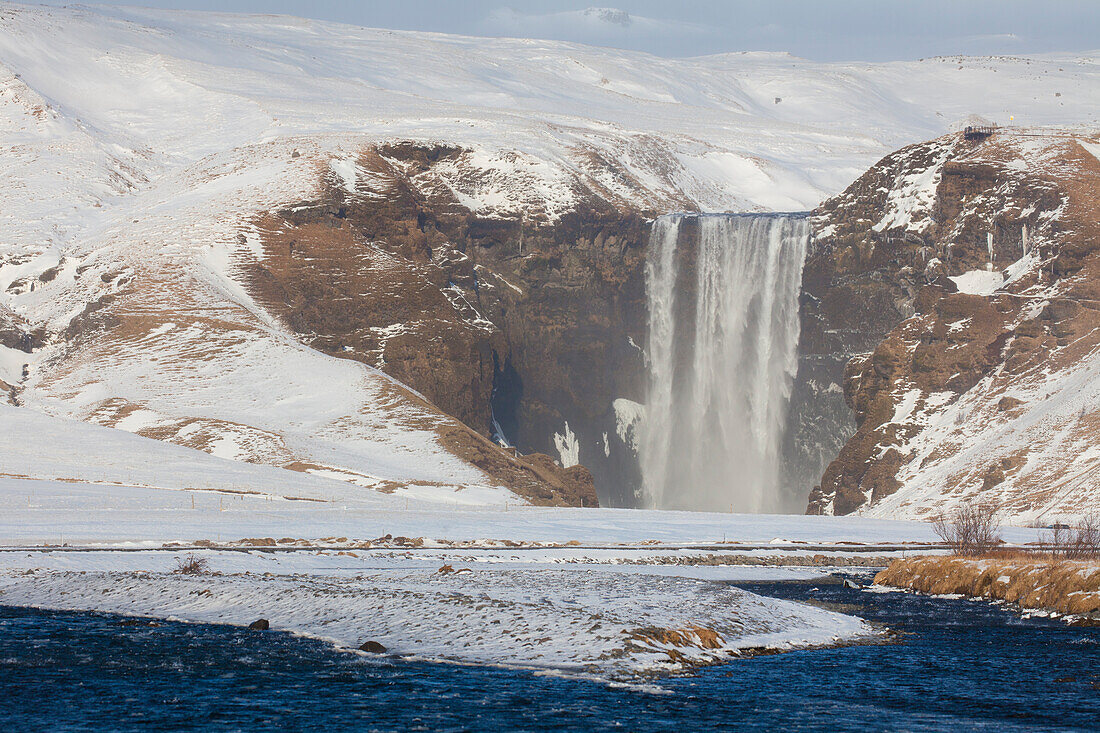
523,321
957,281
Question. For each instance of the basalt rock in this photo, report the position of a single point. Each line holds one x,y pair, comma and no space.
372,647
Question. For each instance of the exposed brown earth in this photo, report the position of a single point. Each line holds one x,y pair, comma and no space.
1065,586
691,637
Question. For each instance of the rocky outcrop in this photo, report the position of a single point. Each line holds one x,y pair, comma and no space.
17,336
956,282
535,477
372,647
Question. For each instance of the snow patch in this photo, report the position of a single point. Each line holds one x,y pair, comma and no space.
11,364
978,282
346,171
1091,147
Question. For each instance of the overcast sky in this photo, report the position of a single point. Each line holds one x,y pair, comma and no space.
872,30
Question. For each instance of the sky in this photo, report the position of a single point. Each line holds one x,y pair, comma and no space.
823,30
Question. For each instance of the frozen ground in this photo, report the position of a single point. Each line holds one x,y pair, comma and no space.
55,512
579,591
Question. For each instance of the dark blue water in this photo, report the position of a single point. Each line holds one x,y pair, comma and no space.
957,665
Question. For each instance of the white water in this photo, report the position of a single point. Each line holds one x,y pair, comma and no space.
721,367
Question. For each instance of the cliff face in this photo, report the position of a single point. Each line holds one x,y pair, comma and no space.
176,329
961,278
522,321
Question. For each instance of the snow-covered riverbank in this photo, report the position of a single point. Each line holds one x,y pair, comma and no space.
614,593
608,620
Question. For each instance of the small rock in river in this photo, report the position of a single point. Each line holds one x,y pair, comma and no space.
259,625
373,647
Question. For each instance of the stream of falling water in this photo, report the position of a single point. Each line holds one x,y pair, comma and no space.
721,364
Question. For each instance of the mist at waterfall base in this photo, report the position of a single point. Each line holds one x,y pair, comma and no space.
722,357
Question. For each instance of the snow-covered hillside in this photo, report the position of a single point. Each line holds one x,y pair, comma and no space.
139,145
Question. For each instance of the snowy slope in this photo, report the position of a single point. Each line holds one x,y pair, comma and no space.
138,144
165,89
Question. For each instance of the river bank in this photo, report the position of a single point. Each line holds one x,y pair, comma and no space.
1070,587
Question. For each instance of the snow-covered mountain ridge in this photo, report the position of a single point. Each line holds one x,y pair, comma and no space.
149,158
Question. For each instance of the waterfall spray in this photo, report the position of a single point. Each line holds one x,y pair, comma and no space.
722,360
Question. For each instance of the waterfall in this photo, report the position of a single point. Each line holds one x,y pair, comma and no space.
722,356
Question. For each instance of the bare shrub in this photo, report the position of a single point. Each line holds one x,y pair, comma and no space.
1080,541
1053,540
192,565
971,529
1086,540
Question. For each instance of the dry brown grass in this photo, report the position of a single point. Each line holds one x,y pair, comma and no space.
1030,580
699,637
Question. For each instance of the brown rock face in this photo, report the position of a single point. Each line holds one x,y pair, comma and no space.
372,647
1018,209
525,320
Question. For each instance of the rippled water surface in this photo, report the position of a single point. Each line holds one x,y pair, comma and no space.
957,665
